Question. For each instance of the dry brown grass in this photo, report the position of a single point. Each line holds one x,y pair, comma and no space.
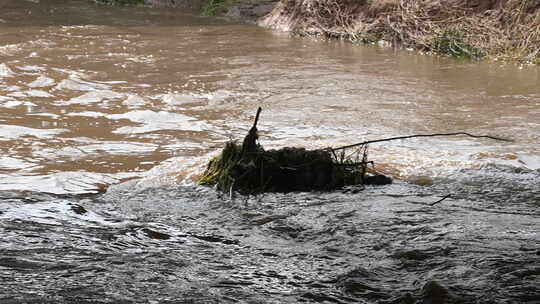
462,28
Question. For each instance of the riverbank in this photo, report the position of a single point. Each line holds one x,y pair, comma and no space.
496,29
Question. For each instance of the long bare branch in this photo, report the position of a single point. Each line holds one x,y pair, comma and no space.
420,135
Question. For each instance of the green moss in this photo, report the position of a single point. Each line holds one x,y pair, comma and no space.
214,7
219,170
365,38
452,42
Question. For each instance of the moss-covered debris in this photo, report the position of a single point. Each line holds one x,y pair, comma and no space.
249,169
284,170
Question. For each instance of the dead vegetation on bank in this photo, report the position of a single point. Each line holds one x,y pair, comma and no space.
505,29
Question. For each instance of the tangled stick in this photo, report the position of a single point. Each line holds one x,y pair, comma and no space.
419,135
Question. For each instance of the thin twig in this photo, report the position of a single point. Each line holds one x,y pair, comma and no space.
442,199
419,135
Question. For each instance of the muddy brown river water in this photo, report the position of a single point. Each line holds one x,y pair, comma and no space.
136,100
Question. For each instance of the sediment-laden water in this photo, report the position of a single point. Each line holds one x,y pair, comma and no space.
136,100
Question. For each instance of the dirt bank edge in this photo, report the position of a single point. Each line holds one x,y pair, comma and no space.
492,29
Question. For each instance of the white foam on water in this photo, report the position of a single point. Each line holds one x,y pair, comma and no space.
112,147
112,82
142,85
155,121
17,94
67,28
12,49
31,68
55,212
60,183
308,136
16,103
173,171
12,163
86,114
72,153
5,71
38,93
12,104
9,132
141,59
182,145
9,49
134,101
531,161
41,82
74,83
94,97
109,148
12,88
176,99
216,96
51,115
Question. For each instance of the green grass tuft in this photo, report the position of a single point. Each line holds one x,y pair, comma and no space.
214,7
452,42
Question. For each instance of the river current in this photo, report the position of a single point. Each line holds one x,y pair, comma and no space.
108,115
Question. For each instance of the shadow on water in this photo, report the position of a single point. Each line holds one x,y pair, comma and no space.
186,245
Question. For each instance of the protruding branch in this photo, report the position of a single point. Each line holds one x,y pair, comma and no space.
442,199
250,141
419,135
257,117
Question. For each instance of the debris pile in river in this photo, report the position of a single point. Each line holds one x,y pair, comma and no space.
249,169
